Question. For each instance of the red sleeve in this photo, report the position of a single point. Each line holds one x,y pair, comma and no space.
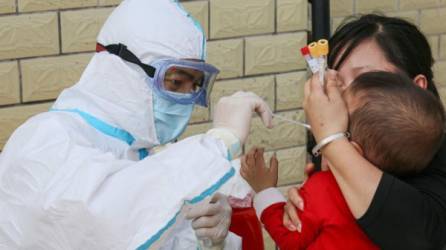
286,240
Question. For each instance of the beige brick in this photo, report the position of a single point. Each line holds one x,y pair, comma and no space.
283,135
432,20
28,35
434,42
268,241
279,53
417,4
443,46
81,27
341,8
292,15
9,83
363,6
200,114
109,2
411,16
200,11
291,165
226,55
7,6
39,5
45,78
440,73
262,86
290,90
11,118
196,129
231,18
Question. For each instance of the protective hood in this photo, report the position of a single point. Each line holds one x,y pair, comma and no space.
117,92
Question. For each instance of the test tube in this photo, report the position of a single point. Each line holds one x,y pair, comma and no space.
322,47
312,62
316,54
312,47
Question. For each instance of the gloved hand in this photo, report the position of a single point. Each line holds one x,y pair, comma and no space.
211,221
235,113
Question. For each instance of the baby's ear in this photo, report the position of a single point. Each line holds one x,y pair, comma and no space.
357,147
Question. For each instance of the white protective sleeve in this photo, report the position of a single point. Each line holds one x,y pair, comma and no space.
58,192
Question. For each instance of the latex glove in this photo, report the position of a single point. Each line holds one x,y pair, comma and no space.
211,221
235,113
325,109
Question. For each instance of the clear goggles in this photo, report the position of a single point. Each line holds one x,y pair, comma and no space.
184,81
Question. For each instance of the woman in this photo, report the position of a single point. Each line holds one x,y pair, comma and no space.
407,213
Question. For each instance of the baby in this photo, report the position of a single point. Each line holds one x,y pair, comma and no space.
393,123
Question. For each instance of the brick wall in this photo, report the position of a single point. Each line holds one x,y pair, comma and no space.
46,44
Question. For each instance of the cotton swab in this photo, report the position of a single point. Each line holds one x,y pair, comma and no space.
292,121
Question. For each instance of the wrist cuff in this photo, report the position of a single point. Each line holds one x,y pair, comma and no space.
266,198
231,141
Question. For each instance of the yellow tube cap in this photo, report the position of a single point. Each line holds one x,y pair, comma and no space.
314,51
322,47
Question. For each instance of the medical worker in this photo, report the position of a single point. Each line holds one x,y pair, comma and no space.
85,176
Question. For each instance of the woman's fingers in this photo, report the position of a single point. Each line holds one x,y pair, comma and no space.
294,202
287,222
294,197
291,211
332,88
316,87
331,76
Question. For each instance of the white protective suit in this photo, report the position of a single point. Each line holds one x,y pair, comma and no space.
72,178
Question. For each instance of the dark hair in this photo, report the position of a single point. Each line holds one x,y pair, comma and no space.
401,41
399,126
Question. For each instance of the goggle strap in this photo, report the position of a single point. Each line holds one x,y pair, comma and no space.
121,51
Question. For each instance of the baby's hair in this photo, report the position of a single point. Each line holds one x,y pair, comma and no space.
399,125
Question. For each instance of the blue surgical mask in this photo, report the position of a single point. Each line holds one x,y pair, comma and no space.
171,118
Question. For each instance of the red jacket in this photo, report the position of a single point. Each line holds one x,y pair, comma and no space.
327,222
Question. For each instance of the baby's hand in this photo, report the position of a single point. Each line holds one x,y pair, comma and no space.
255,172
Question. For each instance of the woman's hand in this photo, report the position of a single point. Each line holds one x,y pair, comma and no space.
325,110
290,217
